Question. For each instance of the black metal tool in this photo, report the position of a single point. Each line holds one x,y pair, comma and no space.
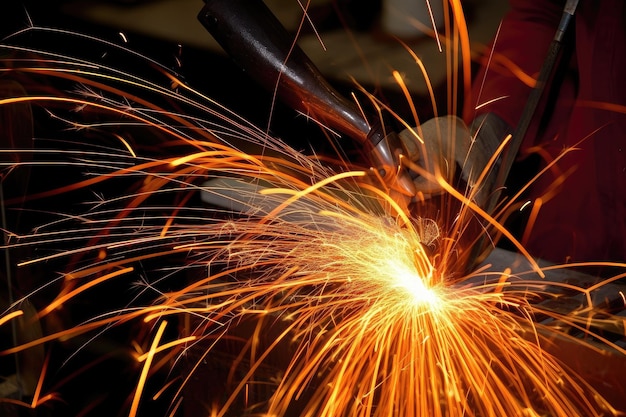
482,248
531,105
256,40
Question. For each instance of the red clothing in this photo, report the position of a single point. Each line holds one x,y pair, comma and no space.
585,220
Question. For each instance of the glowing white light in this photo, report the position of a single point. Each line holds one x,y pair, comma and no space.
412,284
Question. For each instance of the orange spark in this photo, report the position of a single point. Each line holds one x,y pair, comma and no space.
322,269
146,368
10,316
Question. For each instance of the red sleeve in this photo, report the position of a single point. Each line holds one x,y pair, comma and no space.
511,65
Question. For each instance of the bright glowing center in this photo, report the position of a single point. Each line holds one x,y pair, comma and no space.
412,284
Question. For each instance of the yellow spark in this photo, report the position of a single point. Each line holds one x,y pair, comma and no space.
126,144
10,316
412,283
363,310
146,368
166,346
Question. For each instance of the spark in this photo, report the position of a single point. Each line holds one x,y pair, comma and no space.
91,283
126,144
146,367
321,297
8,317
526,204
36,396
166,346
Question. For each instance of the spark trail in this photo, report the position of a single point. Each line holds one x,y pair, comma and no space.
318,296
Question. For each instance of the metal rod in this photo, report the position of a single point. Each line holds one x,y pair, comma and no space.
531,105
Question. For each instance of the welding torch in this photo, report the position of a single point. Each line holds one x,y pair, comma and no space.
256,40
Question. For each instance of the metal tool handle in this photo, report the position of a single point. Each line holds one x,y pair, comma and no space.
526,117
251,34
532,103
